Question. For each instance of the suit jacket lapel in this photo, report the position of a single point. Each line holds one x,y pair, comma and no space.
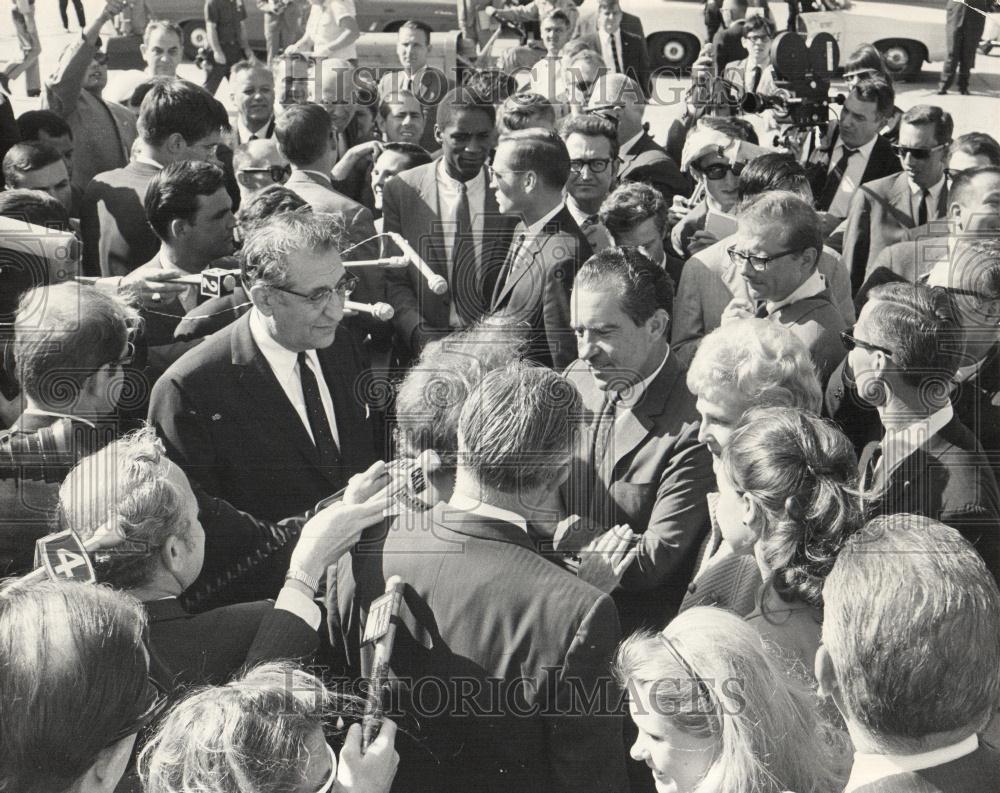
526,256
437,254
352,419
634,425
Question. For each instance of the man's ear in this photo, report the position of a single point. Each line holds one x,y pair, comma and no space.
530,181
106,772
438,134
262,298
172,553
826,677
657,324
753,515
178,227
175,143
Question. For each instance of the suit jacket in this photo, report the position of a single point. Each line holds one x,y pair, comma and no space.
634,54
974,773
947,479
879,214
657,484
909,261
484,614
103,132
210,648
817,322
709,281
410,208
647,161
227,422
433,85
881,163
536,293
116,237
266,133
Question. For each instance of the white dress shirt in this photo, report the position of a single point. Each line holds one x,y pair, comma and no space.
323,27
898,444
811,287
466,504
448,192
245,134
607,53
285,365
934,195
852,176
869,768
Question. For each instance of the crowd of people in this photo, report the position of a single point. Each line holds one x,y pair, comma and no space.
684,456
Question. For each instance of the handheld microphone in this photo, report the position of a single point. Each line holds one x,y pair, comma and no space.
388,261
380,628
435,282
382,311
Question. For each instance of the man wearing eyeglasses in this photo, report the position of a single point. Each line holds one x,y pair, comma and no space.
882,210
928,463
266,413
259,164
775,251
592,144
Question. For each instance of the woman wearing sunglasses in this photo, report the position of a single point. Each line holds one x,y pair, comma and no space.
787,496
264,733
716,712
75,687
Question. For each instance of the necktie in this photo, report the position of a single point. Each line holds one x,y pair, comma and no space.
604,429
318,422
590,220
463,261
761,312
407,82
872,478
922,212
253,136
614,53
833,180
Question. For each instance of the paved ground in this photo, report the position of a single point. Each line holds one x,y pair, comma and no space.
978,112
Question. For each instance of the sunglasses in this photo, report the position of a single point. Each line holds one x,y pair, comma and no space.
278,173
916,154
156,696
719,170
100,58
850,343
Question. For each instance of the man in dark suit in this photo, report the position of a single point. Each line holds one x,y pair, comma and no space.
907,338
882,210
179,121
964,25
910,658
427,84
529,172
266,413
620,39
152,505
511,642
448,214
857,153
640,462
617,97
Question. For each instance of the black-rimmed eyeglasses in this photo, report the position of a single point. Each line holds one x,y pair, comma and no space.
598,165
278,173
155,700
758,263
849,342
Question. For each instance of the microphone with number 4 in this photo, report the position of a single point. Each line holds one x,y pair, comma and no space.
380,629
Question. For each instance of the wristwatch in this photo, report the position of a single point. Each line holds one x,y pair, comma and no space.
300,575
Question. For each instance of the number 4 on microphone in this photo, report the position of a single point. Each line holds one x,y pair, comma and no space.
64,558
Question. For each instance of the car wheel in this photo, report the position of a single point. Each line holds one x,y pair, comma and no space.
672,50
903,57
195,37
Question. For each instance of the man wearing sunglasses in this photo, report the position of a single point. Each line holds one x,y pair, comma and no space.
883,210
259,164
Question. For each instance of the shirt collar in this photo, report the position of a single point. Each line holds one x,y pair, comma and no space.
148,161
626,147
865,149
32,411
476,183
899,444
245,132
934,189
811,287
578,214
869,768
536,228
466,504
281,360
630,396
324,176
416,77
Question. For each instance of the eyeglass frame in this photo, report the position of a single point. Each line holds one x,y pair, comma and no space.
849,341
607,163
924,154
276,172
735,167
320,299
493,171
741,259
703,689
148,716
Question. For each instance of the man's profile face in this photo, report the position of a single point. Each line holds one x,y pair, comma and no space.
412,48
859,122
253,95
210,230
404,121
507,182
261,154
162,53
388,164
299,322
466,142
555,33
52,179
979,212
203,150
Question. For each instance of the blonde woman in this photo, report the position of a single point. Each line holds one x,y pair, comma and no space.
716,712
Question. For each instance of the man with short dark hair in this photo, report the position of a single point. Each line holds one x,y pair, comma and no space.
45,126
484,606
161,48
592,144
38,166
911,657
425,82
178,121
448,214
529,172
635,214
620,39
643,428
251,86
883,209
927,463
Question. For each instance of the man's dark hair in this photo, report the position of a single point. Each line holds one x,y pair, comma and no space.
978,144
963,184
758,23
591,126
23,158
265,204
772,171
415,154
385,103
173,106
416,24
34,206
527,109
31,122
463,98
557,16
630,204
866,56
303,133
540,151
924,115
641,286
173,193
875,88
